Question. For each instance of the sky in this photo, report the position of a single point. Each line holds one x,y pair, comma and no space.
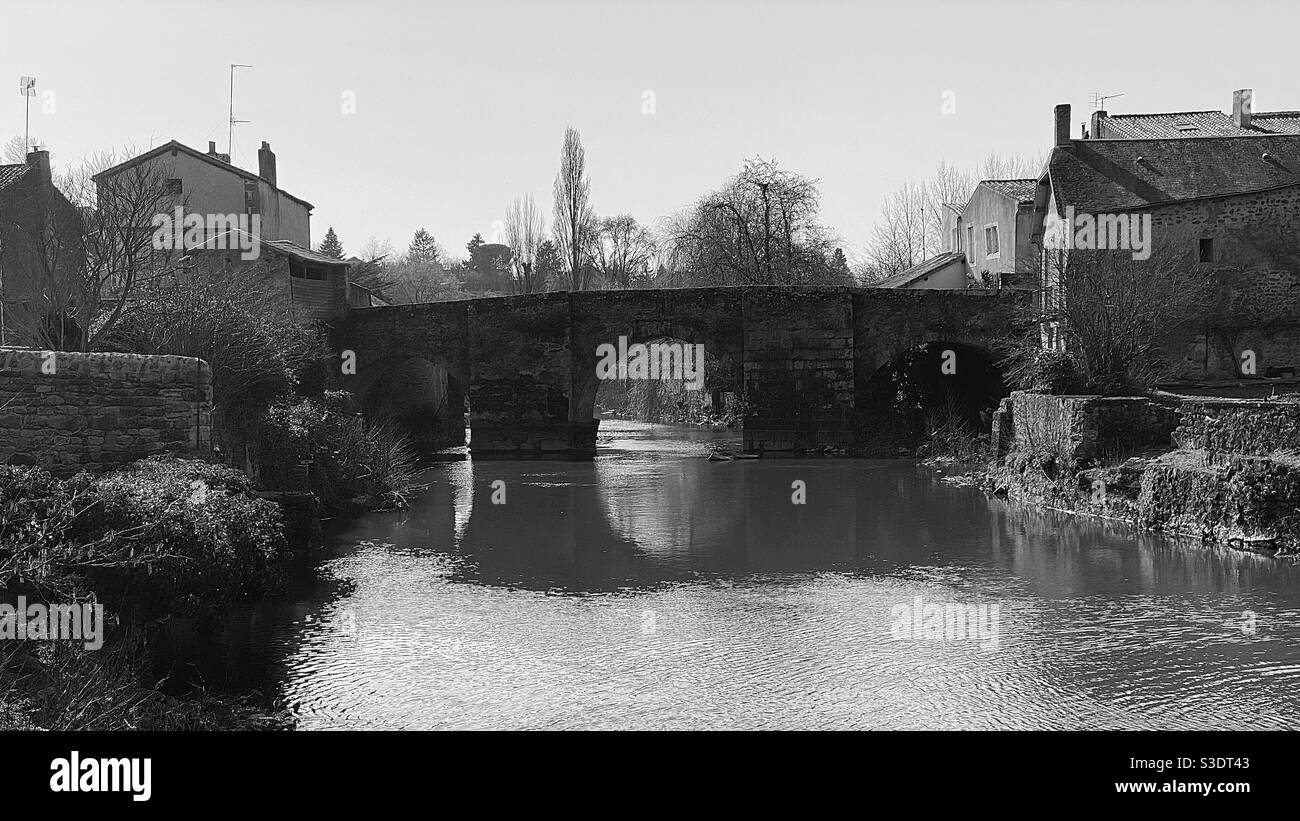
391,115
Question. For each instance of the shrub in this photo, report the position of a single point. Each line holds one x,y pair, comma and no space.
354,463
1044,371
196,529
163,536
240,322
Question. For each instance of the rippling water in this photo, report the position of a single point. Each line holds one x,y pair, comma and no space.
652,588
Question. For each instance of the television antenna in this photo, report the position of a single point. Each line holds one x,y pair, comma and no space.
1099,99
230,133
27,88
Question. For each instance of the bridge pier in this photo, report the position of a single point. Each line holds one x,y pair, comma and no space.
798,370
520,382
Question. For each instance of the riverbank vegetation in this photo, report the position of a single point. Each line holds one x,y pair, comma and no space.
163,538
353,465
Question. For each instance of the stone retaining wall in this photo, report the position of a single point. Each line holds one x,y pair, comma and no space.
1081,430
70,411
1255,427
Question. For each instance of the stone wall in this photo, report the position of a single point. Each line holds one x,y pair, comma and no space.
1256,427
1257,258
70,411
1082,430
1248,501
1229,473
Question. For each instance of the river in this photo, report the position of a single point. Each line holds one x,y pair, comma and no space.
654,589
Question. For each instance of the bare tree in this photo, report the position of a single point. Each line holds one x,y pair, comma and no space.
15,149
899,237
575,222
760,228
910,228
1111,317
240,322
624,251
525,230
1011,167
86,246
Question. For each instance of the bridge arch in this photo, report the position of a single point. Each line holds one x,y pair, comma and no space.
420,396
936,383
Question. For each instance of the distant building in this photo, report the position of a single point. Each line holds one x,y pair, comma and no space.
38,245
986,242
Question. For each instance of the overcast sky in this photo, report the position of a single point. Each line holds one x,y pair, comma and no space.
459,107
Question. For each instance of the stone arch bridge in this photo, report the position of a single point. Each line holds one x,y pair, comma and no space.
802,358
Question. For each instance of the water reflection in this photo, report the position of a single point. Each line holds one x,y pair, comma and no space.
652,588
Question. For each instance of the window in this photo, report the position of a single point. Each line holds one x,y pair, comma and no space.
1207,250
970,239
954,240
174,186
990,240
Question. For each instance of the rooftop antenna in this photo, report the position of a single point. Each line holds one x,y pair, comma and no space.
27,88
230,133
1099,99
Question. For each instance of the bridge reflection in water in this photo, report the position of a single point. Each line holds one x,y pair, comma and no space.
652,588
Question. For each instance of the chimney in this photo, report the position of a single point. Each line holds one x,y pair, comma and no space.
1241,107
1094,128
266,162
1062,125
212,152
40,160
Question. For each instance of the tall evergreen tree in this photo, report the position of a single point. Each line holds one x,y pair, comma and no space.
472,246
330,246
423,250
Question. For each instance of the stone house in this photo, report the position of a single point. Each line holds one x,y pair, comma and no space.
1231,203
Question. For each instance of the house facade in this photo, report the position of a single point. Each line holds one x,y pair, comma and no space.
210,184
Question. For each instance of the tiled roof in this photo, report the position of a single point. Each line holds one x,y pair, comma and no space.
920,270
1194,124
955,206
1020,190
303,254
10,174
1111,175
